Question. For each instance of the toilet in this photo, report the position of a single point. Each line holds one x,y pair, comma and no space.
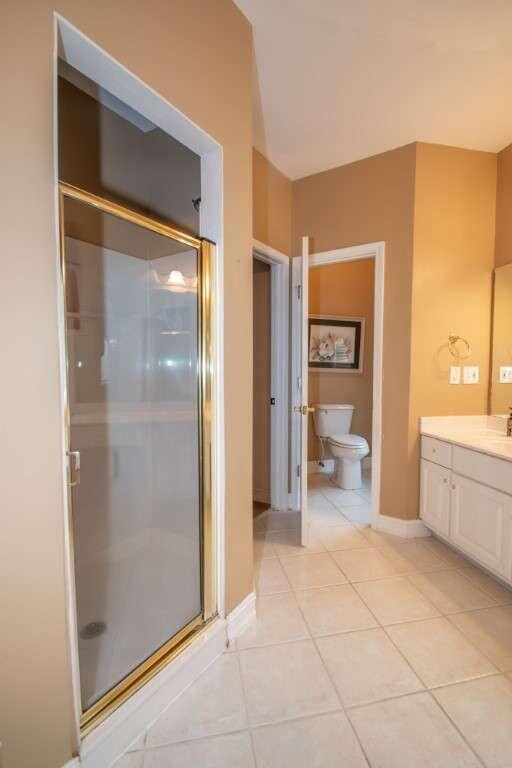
332,425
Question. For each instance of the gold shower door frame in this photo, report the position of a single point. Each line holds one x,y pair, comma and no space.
176,644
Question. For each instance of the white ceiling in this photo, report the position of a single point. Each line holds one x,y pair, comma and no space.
339,80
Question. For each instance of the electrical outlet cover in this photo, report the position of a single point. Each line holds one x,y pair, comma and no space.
471,374
505,374
454,374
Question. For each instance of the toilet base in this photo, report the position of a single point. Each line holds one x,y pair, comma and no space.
348,474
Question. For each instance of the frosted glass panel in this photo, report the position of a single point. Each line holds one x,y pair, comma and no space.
132,336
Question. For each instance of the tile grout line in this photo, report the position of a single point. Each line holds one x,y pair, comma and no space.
426,688
457,729
466,578
484,589
436,703
294,718
472,642
335,688
381,626
413,621
446,566
246,708
497,603
195,739
405,575
293,591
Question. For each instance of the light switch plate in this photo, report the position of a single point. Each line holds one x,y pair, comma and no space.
505,374
471,374
454,374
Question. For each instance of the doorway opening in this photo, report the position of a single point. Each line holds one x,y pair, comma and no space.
341,329
340,465
262,390
271,280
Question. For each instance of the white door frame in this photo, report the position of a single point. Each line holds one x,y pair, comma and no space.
86,56
279,343
353,253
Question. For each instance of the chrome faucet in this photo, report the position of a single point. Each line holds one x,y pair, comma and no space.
509,422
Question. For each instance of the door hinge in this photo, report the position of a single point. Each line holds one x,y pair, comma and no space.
74,468
299,292
298,470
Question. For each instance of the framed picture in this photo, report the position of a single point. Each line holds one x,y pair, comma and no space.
336,343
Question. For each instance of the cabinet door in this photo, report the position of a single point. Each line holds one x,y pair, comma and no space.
435,497
481,522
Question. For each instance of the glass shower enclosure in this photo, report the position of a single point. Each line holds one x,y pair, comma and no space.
137,307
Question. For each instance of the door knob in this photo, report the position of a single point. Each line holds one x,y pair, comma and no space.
303,409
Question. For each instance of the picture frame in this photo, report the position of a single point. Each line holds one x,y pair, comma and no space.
336,343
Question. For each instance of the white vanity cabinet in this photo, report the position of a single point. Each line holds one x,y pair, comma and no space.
474,516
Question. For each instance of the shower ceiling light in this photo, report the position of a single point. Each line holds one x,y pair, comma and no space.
176,279
175,282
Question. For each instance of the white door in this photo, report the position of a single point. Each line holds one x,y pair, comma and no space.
480,522
300,409
435,497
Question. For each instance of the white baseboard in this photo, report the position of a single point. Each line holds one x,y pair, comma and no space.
240,617
73,763
115,735
408,529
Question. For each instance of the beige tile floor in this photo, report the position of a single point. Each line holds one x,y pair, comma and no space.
367,650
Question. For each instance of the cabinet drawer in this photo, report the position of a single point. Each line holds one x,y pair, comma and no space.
485,469
436,451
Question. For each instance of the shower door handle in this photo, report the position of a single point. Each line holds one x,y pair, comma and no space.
74,468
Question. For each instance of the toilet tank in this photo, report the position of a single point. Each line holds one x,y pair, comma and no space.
332,419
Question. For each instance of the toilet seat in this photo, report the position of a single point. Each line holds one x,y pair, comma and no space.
349,441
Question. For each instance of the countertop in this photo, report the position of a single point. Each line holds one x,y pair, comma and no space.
485,434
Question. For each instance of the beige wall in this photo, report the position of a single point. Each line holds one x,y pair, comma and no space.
261,382
364,202
434,207
345,288
164,45
272,204
453,260
504,208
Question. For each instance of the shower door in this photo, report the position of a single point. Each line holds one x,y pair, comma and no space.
137,298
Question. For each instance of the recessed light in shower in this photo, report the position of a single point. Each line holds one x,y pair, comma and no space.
176,279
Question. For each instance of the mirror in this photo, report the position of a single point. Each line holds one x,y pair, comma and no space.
500,396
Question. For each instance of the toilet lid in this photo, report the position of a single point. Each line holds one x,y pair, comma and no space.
349,441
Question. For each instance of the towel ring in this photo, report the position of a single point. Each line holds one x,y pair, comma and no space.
453,340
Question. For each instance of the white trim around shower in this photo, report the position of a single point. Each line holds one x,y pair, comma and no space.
116,733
